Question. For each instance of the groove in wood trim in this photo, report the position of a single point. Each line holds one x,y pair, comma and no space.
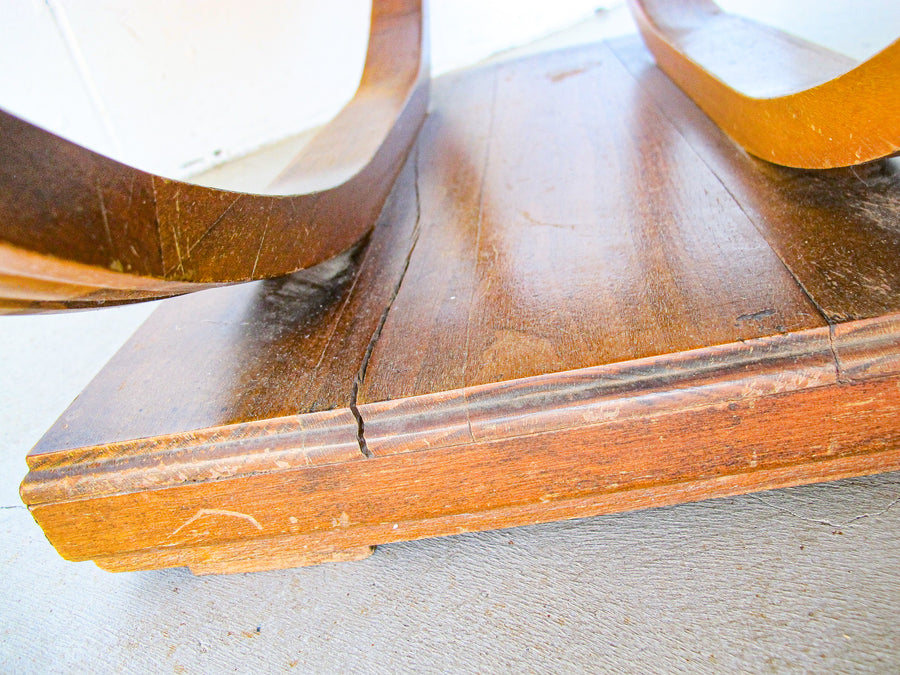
642,387
251,448
869,347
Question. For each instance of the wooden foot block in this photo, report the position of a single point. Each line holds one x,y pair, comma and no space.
258,562
580,298
252,556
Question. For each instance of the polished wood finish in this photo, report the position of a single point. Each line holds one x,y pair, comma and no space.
779,97
575,302
79,230
836,231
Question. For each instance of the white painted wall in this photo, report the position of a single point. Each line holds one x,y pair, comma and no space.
175,87
858,30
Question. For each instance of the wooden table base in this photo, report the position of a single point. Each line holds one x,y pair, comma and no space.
580,298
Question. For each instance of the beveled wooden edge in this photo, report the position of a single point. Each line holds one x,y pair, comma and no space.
867,347
616,392
848,120
718,421
250,448
392,99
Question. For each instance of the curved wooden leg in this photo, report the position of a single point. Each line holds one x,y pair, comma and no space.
81,230
780,98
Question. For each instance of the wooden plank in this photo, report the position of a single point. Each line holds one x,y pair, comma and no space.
566,224
244,556
838,231
726,446
602,331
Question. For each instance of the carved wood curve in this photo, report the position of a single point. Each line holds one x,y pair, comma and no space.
79,230
781,98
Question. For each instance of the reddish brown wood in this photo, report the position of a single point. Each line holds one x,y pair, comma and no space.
245,556
613,328
602,238
78,229
837,231
605,463
254,351
779,97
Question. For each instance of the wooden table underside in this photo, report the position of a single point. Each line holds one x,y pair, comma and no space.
580,298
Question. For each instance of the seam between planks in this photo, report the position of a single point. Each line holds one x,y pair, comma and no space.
753,221
360,377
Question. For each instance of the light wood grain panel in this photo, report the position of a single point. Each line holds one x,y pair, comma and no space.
780,98
75,213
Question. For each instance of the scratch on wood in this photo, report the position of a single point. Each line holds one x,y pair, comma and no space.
561,75
756,316
159,235
215,223
175,233
534,221
262,241
105,217
218,512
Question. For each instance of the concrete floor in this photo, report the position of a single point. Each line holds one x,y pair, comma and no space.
798,580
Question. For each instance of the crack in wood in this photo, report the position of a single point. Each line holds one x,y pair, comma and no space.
360,377
838,366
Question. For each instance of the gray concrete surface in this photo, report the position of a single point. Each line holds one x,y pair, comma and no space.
799,580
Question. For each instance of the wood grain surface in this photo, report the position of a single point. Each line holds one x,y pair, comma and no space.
571,227
573,303
78,229
255,351
779,97
838,231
